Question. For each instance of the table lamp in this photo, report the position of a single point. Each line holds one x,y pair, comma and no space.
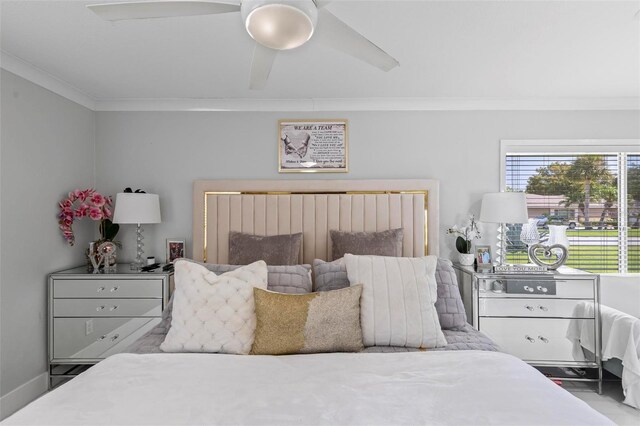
503,208
137,208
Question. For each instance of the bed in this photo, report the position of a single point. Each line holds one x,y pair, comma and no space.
466,382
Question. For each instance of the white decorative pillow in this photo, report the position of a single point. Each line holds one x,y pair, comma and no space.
397,304
214,313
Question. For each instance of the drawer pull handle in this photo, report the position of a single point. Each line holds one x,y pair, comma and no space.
115,337
530,339
543,308
100,289
99,308
542,289
104,336
527,288
529,307
114,307
114,289
545,340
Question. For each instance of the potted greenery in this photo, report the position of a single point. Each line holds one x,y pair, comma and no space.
466,235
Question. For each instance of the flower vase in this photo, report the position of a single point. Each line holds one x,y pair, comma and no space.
466,259
529,234
558,235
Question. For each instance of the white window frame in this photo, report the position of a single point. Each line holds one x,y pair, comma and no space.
620,147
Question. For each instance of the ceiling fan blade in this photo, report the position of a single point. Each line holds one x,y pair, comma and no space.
322,3
335,33
263,58
159,9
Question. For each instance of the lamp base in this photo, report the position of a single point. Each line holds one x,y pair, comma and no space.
137,264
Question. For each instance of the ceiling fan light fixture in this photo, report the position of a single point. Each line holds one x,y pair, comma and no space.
282,26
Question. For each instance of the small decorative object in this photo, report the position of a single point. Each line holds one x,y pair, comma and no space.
466,235
519,269
312,146
558,235
503,208
104,257
86,203
483,258
151,260
529,233
175,249
137,208
549,256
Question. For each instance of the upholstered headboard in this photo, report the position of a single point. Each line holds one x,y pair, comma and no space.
313,207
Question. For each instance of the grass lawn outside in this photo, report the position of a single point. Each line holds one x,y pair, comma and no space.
596,259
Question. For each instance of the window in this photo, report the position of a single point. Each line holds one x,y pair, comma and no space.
591,189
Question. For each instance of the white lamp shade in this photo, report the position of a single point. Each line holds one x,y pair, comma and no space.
137,208
504,207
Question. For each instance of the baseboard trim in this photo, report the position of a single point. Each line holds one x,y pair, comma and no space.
22,395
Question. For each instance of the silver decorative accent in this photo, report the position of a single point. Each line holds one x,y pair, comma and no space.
544,339
552,256
530,339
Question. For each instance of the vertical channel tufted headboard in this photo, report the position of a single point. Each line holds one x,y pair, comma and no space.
313,207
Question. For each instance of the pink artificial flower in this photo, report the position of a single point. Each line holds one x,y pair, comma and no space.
66,203
95,213
107,212
98,200
109,200
82,210
68,220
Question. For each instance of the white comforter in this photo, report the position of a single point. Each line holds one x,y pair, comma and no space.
465,387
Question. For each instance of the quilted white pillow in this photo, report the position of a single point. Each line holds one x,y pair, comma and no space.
214,313
397,303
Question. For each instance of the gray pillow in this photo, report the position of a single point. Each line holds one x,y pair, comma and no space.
329,275
293,279
384,243
451,313
274,250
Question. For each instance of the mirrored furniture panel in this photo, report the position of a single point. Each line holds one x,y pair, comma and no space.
540,318
93,316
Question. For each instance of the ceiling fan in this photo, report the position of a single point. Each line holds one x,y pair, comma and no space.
274,25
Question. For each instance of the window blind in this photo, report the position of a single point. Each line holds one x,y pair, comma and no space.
580,192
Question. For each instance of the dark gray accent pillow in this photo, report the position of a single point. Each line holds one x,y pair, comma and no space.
274,250
451,313
383,243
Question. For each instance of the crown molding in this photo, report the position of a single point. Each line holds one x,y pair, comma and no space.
42,78
371,104
50,82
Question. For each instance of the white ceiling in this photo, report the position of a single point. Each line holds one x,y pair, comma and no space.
446,49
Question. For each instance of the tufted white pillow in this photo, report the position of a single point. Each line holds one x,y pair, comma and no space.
397,303
214,313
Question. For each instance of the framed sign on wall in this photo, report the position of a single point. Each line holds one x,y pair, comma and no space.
308,146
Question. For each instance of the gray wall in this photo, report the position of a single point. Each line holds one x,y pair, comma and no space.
47,150
164,152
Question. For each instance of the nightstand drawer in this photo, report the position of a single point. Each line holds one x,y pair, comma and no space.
531,339
107,288
107,307
543,308
91,338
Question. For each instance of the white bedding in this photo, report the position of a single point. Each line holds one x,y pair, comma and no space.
620,339
462,387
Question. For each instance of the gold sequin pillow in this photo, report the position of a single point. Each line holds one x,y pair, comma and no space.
327,321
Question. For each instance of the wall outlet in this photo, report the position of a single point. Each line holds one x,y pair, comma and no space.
88,327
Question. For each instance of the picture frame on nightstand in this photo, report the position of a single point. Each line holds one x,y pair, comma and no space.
176,249
483,258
